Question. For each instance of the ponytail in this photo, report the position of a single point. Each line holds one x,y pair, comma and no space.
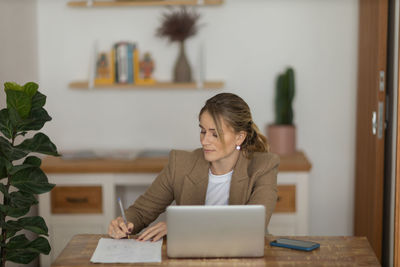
255,141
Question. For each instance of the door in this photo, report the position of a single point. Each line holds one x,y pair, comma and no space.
370,143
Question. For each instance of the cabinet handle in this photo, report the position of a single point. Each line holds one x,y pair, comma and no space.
278,199
77,200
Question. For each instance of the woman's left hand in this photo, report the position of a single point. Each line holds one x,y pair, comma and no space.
155,232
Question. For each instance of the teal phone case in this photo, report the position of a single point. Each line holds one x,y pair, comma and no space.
308,248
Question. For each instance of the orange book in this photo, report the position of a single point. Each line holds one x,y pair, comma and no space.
136,69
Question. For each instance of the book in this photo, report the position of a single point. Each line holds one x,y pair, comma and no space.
104,74
138,73
136,65
131,48
116,70
122,62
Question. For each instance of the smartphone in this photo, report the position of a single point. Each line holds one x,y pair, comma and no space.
294,244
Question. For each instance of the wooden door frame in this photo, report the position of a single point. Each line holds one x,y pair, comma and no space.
396,245
396,249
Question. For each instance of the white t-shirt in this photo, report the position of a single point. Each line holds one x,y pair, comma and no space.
218,188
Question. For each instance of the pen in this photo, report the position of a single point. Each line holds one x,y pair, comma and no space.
123,213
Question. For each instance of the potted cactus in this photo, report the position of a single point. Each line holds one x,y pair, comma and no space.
282,134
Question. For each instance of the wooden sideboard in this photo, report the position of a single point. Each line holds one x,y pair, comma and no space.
84,199
296,162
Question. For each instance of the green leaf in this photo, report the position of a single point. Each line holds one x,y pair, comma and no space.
30,88
15,118
20,101
13,86
18,168
23,256
3,189
41,245
31,180
12,228
9,152
5,123
5,166
29,162
10,233
19,204
36,120
22,199
21,250
38,100
38,116
34,224
20,241
32,160
17,212
14,212
39,143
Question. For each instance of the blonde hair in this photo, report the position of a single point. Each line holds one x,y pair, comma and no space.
236,113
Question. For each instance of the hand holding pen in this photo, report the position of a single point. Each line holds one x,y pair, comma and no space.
120,227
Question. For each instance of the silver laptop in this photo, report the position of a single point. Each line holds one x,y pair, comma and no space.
215,231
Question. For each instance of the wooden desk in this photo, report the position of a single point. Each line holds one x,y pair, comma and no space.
337,251
129,178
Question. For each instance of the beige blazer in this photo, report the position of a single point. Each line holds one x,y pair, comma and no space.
185,180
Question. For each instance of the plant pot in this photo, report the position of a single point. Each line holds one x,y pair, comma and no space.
282,139
182,71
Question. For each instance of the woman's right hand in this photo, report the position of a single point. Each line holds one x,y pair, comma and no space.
118,229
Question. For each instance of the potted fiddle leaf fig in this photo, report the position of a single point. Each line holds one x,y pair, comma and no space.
282,134
20,174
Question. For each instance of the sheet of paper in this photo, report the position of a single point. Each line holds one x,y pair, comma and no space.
126,251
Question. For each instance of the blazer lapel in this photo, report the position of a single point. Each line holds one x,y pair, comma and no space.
195,184
239,182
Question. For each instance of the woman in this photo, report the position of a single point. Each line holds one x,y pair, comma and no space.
233,167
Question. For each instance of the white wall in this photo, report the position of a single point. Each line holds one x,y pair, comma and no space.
18,46
247,44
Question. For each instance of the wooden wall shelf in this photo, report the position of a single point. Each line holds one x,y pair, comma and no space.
159,85
145,3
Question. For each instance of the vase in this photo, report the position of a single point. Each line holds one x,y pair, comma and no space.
182,71
282,139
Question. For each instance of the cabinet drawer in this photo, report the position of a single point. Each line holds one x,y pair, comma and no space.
286,198
76,199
